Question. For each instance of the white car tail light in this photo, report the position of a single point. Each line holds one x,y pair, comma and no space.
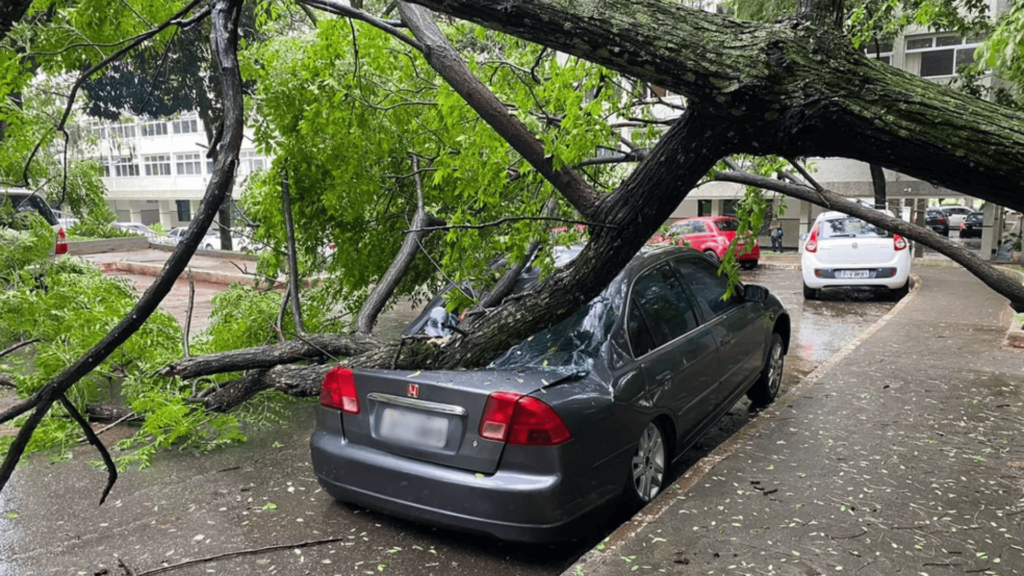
812,242
899,243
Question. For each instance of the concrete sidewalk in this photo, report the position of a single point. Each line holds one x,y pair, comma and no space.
207,266
903,456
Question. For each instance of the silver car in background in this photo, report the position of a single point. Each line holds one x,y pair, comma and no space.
589,410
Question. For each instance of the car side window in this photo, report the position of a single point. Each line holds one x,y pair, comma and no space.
683,228
707,286
699,228
639,333
659,299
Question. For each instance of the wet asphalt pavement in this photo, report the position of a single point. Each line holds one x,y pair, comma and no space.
263,493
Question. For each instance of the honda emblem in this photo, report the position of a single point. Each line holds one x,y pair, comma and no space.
414,390
854,244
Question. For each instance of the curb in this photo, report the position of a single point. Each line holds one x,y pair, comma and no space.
594,559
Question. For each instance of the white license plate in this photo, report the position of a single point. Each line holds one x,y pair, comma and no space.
849,274
413,428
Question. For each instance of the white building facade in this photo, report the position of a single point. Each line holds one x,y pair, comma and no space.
156,171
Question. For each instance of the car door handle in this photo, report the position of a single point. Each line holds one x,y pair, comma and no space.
663,377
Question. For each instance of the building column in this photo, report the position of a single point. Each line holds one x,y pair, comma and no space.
135,210
991,230
716,207
167,214
805,217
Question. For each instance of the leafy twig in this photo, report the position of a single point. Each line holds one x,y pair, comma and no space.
241,553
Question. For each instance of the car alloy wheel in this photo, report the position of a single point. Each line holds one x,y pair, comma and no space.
776,364
648,466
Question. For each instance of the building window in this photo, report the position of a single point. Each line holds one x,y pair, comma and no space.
209,166
185,126
121,131
100,131
153,129
159,165
729,207
703,207
189,164
184,210
940,55
125,168
104,169
881,51
249,161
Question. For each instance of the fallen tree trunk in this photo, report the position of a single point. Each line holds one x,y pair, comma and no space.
306,347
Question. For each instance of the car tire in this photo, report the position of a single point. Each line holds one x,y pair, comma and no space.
897,294
648,468
748,264
810,293
764,391
208,247
712,256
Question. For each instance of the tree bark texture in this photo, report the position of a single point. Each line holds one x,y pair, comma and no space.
308,347
789,91
994,278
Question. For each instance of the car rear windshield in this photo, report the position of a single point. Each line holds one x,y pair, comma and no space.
849,228
728,225
976,217
572,345
26,203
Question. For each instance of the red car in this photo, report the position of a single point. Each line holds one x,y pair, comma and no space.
711,235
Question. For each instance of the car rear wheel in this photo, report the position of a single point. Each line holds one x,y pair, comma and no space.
648,465
208,247
897,294
810,293
764,391
711,254
749,264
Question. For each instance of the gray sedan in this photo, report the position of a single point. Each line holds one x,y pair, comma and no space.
576,416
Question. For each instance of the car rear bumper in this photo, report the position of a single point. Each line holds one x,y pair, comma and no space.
892,275
514,506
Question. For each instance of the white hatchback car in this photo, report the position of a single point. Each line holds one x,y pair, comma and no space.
846,251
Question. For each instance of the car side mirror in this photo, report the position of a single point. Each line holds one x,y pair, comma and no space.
755,293
803,236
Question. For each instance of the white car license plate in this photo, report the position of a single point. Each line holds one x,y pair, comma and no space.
413,428
851,274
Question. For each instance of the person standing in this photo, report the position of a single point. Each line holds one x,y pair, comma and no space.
776,236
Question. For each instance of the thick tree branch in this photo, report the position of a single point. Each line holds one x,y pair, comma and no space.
224,40
311,346
444,59
293,261
991,276
385,288
789,91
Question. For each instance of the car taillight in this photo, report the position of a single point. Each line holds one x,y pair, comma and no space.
522,420
339,390
812,242
898,242
942,220
62,242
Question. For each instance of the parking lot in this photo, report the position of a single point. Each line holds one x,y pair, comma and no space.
190,506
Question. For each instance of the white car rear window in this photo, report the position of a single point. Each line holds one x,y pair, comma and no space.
849,228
